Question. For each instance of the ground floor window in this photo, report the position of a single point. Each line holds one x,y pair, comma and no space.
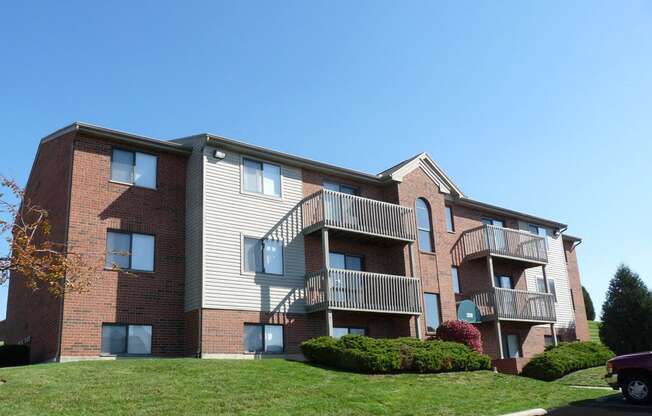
126,339
548,340
340,331
261,338
431,301
512,346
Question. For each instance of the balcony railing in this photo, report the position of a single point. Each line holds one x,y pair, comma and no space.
346,212
504,242
362,291
515,305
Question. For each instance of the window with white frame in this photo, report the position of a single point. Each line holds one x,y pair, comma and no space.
262,256
535,229
541,287
424,226
338,187
130,251
118,339
263,338
450,223
134,168
512,346
433,316
261,177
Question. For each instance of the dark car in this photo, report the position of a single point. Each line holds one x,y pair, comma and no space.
633,374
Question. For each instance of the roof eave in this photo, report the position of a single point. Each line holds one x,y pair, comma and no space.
505,211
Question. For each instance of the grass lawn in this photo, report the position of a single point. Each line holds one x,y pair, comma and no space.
594,328
589,377
263,387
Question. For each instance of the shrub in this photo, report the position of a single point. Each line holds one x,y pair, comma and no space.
14,355
460,331
566,358
381,356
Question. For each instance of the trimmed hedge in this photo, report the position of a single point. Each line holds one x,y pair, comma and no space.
14,355
382,356
565,358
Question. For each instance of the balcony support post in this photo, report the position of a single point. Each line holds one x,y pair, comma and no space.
499,335
553,332
327,289
414,273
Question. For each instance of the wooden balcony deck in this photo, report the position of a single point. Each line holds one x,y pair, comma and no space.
362,291
502,242
515,305
356,215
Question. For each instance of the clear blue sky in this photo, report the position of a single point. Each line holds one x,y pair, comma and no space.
544,107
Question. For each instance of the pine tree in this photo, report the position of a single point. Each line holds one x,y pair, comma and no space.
627,314
588,305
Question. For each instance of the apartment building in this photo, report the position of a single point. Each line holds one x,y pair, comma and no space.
229,250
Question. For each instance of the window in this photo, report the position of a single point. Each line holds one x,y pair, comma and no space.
338,187
263,256
494,222
126,339
130,251
134,168
341,331
548,341
456,279
504,282
512,346
431,301
261,178
345,261
541,287
535,229
450,224
424,225
261,338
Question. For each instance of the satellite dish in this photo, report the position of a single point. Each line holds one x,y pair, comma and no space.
469,312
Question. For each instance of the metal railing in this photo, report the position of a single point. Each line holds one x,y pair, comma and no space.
515,305
362,291
490,239
353,213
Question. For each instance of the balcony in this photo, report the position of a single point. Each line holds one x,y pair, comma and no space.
515,305
359,216
362,291
489,240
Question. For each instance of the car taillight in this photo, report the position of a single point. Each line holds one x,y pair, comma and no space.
610,367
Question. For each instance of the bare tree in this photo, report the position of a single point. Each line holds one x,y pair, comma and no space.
32,256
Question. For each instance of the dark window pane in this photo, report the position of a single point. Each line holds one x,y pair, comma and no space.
122,166
357,331
337,260
348,190
253,338
450,226
118,247
354,263
253,255
140,339
432,311
423,215
456,280
114,339
553,289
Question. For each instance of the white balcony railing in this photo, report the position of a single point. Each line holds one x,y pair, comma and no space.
341,211
505,242
515,305
362,291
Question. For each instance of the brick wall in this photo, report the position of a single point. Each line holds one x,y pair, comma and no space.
34,316
156,298
581,323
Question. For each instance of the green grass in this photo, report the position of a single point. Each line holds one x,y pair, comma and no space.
593,377
263,387
594,331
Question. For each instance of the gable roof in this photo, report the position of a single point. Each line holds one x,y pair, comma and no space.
430,167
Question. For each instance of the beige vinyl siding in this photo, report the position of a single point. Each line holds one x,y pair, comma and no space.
555,270
231,214
194,213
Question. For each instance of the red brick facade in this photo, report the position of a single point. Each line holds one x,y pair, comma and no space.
71,178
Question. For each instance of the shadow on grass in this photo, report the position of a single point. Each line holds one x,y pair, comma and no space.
612,404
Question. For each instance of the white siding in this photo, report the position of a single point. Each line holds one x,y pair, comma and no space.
194,213
229,214
555,270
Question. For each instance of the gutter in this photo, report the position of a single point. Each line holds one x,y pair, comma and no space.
521,215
